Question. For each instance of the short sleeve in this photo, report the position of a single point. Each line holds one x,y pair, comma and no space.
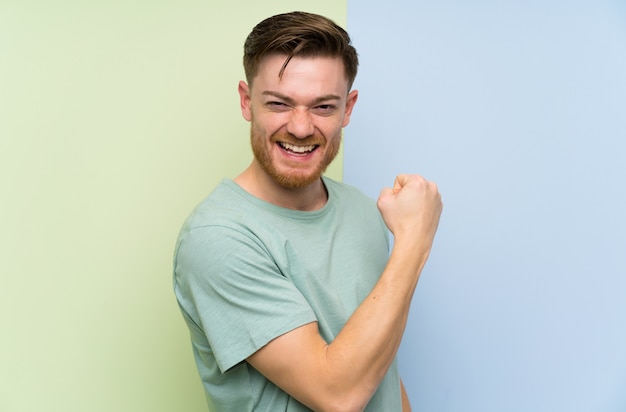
229,285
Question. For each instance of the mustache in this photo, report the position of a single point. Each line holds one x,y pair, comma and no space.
314,139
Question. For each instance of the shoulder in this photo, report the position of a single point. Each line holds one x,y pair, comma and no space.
224,221
345,192
351,202
220,204
228,208
355,208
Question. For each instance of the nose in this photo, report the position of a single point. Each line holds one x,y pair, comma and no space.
300,124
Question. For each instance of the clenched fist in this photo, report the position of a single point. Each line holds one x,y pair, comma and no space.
411,210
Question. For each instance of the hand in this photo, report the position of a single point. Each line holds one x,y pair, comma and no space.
411,209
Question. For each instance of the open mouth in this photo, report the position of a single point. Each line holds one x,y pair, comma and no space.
298,150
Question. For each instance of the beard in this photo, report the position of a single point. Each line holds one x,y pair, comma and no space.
294,177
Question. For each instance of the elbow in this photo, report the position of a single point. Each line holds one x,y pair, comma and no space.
342,394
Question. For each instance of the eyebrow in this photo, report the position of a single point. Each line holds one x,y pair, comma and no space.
290,101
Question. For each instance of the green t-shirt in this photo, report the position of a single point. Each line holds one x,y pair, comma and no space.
247,271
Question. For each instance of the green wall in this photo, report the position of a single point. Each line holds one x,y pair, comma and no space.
116,118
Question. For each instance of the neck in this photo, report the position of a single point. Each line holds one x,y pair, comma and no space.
255,181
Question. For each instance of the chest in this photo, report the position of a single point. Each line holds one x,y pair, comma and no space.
333,266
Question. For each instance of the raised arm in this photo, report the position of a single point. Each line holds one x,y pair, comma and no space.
344,374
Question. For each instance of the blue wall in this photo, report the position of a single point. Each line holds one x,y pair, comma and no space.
518,111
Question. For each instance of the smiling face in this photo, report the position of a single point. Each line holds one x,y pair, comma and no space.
296,120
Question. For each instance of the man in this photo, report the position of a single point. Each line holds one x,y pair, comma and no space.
283,276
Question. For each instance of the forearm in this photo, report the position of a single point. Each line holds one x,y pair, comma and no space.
367,345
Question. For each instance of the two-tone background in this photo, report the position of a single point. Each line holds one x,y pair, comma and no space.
117,117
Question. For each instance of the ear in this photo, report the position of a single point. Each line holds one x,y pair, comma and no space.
350,102
244,100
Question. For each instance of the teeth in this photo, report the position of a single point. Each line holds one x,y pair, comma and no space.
297,149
